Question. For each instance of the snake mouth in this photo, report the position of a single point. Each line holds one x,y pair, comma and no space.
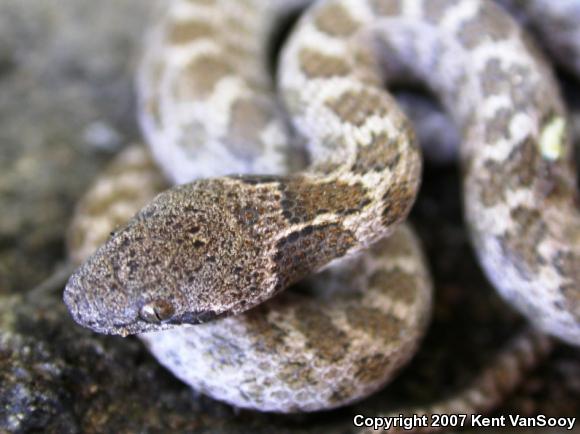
139,325
124,329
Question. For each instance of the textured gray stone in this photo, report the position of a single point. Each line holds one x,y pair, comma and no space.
66,104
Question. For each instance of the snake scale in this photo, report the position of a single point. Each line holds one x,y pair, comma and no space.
216,250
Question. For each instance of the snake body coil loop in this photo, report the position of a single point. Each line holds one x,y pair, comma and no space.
217,247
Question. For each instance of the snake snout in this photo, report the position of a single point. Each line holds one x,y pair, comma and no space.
90,311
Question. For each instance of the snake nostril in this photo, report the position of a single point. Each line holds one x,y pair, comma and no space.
157,311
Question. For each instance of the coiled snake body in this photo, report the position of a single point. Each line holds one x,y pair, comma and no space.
222,246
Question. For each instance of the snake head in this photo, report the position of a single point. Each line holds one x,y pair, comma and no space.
190,256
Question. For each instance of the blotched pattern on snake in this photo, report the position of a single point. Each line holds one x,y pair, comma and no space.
221,246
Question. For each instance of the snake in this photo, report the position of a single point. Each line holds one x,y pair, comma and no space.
556,26
195,271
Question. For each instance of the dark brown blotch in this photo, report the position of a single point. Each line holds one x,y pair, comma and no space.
572,299
302,252
356,108
523,164
372,368
249,118
200,76
303,201
383,152
335,20
520,245
568,265
497,127
519,169
183,32
489,24
315,64
435,10
374,323
398,285
296,374
397,201
329,342
268,337
387,8
493,188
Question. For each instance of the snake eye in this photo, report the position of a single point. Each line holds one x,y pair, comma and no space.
157,311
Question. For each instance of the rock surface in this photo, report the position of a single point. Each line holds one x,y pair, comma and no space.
66,106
